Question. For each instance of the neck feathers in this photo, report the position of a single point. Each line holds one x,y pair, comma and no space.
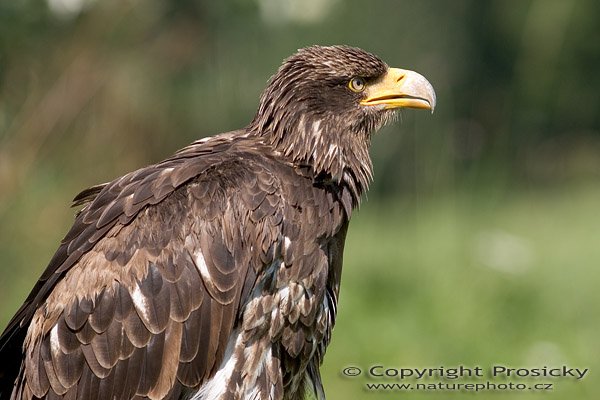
330,152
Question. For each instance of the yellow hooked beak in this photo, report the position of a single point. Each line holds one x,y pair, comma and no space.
400,88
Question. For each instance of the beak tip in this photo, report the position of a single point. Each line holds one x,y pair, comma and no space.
432,97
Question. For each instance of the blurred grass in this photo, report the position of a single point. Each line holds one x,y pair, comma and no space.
420,290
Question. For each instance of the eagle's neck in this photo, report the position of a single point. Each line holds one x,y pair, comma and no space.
337,154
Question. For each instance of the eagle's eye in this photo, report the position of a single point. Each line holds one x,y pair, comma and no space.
357,84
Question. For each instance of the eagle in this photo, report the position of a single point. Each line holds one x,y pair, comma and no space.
215,274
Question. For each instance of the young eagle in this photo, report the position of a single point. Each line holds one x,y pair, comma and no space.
215,273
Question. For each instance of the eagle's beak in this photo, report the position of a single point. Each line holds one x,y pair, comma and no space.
400,88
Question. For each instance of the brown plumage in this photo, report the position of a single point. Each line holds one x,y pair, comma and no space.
214,274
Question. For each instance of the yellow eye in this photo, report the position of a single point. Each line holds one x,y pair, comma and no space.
357,84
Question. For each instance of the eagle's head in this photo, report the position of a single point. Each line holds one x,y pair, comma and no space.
323,103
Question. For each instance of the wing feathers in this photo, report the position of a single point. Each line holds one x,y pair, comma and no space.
173,267
103,313
181,302
123,303
193,372
77,314
55,384
37,379
136,331
190,337
151,300
66,337
122,375
107,345
88,386
141,340
170,361
67,366
107,386
133,371
86,334
151,364
92,362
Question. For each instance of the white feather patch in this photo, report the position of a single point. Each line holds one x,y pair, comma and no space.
202,267
167,171
140,302
316,127
217,385
54,342
251,391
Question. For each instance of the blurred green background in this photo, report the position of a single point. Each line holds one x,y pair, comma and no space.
480,240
